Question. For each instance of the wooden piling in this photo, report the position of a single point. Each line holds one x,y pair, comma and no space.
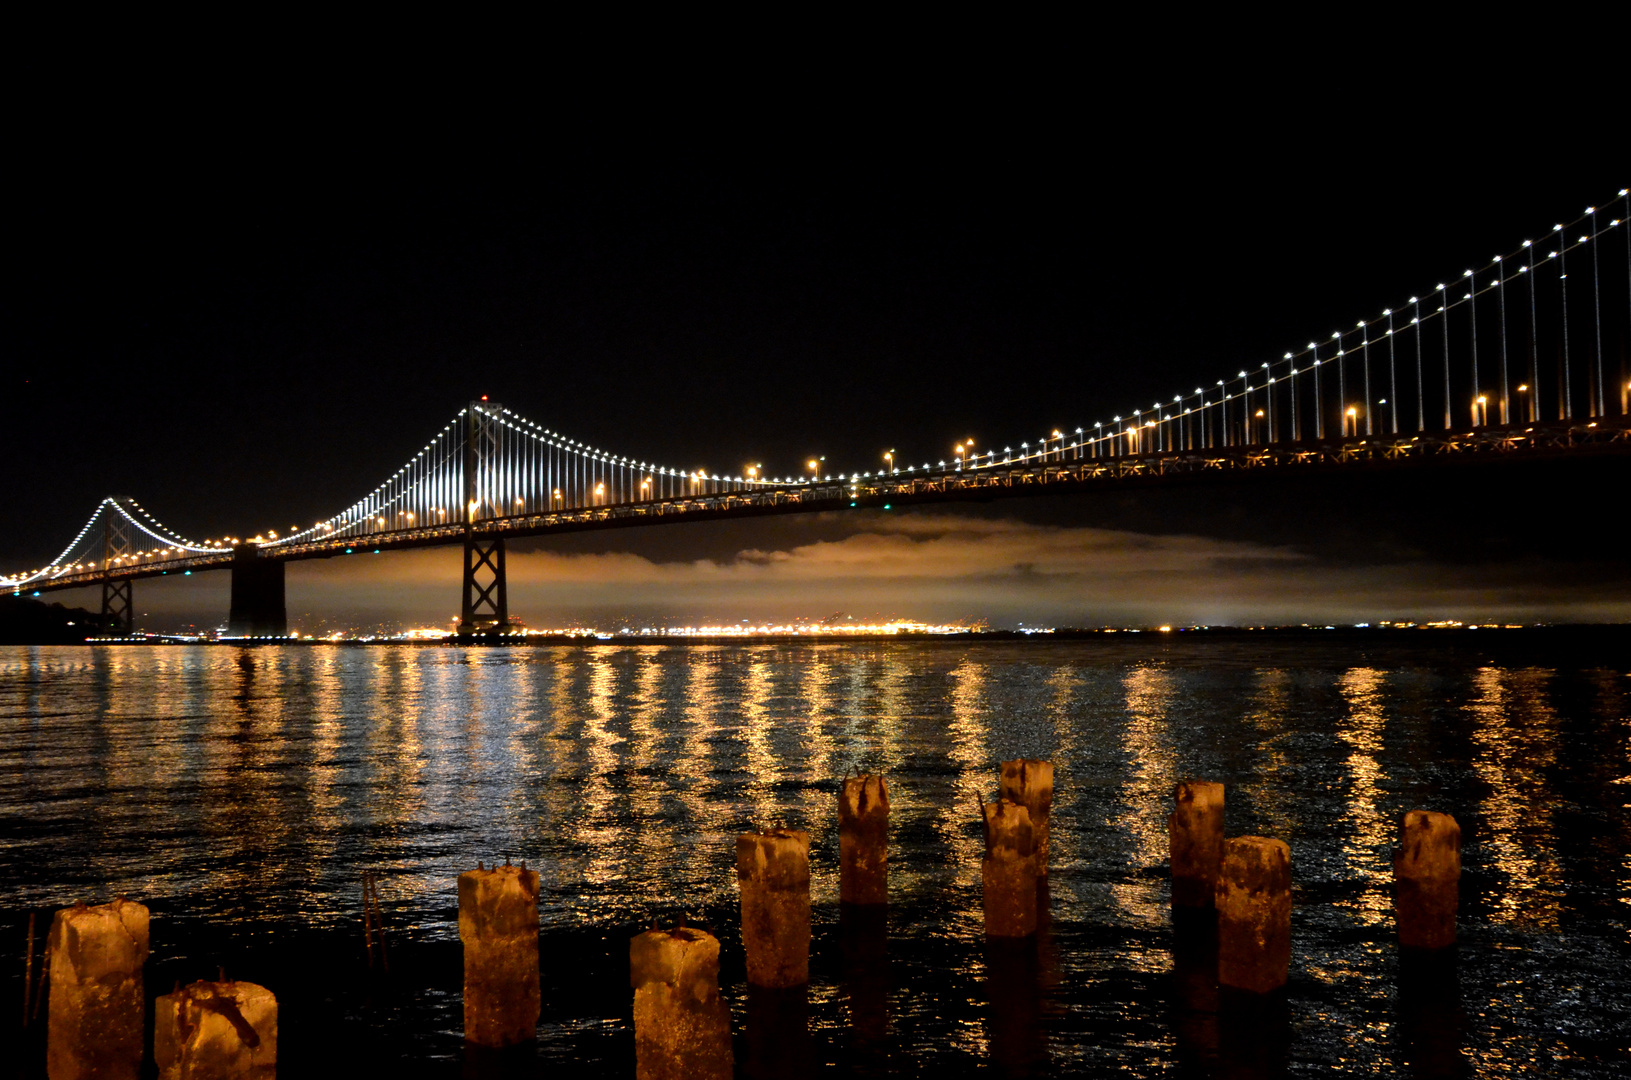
1008,873
863,841
1195,841
1029,782
773,869
96,1019
498,924
682,1028
1254,914
1427,880
218,1030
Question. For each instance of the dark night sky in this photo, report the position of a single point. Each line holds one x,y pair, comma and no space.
245,311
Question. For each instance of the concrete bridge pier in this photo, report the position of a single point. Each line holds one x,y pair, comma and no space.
258,609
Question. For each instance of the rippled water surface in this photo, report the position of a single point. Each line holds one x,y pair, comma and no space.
241,794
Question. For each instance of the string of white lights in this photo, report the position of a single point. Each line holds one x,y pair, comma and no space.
525,469
1291,359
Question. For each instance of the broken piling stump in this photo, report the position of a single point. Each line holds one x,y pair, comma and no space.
1427,880
498,924
1029,782
682,1028
1008,873
773,869
1254,914
1195,838
97,1017
863,841
216,1031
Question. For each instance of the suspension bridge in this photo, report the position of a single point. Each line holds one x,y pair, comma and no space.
1526,354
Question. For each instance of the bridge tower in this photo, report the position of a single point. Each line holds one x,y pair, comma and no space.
486,607
118,607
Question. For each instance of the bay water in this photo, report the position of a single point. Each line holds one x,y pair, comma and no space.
241,793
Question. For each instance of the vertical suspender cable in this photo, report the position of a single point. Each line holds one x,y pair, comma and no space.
1296,429
1534,340
1472,323
1319,399
1500,290
1364,362
1342,385
1563,284
1600,407
1392,377
1421,383
1444,313
1267,386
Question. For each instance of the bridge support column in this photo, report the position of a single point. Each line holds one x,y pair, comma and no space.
258,608
486,603
486,607
118,609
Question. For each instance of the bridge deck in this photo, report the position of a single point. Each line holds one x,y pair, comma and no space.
1059,473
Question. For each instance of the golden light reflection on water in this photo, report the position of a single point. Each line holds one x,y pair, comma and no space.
597,828
654,838
756,730
968,727
1515,736
1145,794
1367,834
1273,783
705,876
271,777
1065,685
380,703
323,795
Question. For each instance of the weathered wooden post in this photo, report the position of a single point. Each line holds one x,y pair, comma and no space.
1254,914
863,841
97,1016
1029,783
498,924
1427,880
1195,835
682,1028
1008,873
773,869
216,1031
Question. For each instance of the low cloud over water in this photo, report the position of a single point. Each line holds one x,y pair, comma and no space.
939,567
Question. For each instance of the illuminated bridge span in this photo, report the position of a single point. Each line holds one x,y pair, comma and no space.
1527,353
